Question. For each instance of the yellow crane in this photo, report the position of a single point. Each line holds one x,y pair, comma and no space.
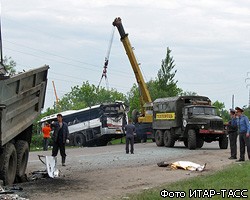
145,118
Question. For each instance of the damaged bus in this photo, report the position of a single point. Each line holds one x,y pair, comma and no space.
96,125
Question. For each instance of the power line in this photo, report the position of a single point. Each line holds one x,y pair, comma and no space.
69,64
70,81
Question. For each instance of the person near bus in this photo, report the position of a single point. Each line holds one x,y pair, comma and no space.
129,130
60,137
46,135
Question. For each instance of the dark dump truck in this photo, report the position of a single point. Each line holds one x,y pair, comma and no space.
21,100
190,119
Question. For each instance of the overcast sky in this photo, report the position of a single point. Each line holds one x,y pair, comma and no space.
209,39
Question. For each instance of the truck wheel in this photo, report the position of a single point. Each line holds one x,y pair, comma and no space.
22,149
223,142
79,140
191,139
9,164
135,115
168,139
199,142
159,138
185,142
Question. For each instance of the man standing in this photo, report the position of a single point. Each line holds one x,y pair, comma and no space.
46,135
232,132
130,129
60,137
243,129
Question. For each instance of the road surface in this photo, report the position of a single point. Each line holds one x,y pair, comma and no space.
109,173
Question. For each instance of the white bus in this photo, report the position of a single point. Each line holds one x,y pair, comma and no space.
96,125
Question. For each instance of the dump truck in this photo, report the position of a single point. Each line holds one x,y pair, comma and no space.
21,100
190,119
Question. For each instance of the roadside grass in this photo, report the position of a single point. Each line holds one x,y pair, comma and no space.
235,177
118,141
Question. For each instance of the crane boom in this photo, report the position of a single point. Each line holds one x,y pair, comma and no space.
145,96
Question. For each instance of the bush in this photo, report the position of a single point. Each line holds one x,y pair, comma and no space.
37,142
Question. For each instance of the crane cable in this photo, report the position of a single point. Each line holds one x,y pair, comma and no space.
104,72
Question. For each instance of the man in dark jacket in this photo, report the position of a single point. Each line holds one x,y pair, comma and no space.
60,137
130,129
232,132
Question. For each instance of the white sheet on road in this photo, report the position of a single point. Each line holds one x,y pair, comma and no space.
187,165
51,166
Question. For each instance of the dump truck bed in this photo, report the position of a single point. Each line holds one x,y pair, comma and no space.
21,100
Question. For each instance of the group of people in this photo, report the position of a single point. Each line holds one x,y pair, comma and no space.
239,126
60,137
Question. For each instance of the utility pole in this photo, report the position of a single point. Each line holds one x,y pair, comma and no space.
233,101
248,86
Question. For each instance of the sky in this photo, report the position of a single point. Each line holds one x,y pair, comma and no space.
209,39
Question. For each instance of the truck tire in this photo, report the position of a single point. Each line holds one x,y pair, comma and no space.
168,139
185,141
191,139
135,114
159,138
22,149
199,142
223,142
9,164
79,140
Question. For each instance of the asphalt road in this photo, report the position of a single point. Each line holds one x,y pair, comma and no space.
91,158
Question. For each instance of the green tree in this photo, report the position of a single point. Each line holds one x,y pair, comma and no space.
10,65
220,110
133,97
166,84
85,96
246,111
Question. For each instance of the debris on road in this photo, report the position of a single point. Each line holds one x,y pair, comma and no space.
186,165
8,193
36,175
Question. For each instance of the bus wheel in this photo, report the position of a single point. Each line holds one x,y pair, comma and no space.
79,140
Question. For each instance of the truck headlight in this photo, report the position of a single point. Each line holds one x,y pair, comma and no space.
202,126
